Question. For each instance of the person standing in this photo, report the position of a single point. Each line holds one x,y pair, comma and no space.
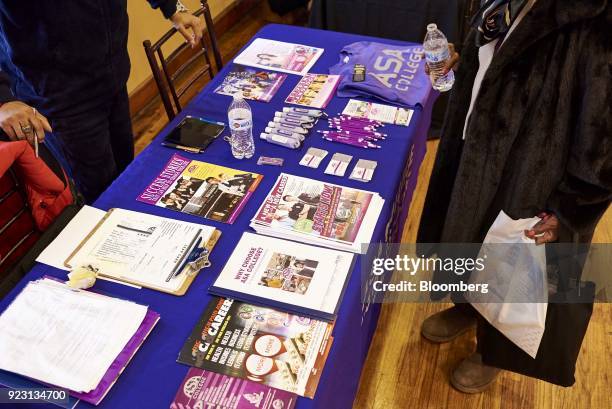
67,65
528,131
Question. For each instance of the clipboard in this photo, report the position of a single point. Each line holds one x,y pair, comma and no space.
188,277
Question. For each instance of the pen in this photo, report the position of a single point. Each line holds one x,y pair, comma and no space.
365,145
356,132
181,147
195,242
347,135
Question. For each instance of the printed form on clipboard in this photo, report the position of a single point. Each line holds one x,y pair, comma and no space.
146,250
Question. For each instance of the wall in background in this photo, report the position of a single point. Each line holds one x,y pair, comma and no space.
146,23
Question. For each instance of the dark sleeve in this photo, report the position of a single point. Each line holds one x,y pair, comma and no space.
6,94
584,194
167,7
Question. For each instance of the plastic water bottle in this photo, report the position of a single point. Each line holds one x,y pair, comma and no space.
436,54
240,121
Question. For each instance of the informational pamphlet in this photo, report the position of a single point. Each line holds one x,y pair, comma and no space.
314,90
320,213
203,189
296,277
379,112
279,56
251,83
204,389
259,344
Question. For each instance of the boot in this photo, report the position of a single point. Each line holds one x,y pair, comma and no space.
472,376
447,325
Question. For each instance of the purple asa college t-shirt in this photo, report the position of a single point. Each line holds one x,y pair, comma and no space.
394,74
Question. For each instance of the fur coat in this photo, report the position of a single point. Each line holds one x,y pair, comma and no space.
539,139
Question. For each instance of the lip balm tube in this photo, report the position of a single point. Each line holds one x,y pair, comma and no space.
293,122
281,140
303,111
277,131
301,118
294,129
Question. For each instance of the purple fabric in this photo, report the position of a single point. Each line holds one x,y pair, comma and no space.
122,360
394,74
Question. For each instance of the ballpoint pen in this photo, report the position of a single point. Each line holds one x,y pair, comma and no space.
365,144
195,242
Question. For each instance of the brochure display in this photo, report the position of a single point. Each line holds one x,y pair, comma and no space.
204,389
279,56
259,344
203,189
292,276
319,213
314,90
250,83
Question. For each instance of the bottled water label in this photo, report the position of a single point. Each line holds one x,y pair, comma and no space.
241,124
437,56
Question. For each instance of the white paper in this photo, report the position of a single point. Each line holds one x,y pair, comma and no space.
73,234
288,272
142,248
67,338
279,56
516,273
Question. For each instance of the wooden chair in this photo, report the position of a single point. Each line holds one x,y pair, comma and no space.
177,64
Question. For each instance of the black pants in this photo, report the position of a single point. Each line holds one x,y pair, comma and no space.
95,146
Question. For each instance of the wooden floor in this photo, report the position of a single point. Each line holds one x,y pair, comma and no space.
403,370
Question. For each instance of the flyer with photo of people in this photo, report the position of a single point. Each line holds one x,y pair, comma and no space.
251,83
293,276
202,189
314,90
316,212
259,344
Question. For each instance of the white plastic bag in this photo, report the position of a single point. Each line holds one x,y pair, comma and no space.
516,275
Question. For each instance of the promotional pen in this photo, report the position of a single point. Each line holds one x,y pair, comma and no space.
277,131
349,136
351,131
281,140
295,129
365,145
293,122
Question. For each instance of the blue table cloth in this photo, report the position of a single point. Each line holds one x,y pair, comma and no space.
153,376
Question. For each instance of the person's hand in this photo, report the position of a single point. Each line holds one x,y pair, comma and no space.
21,121
190,26
451,64
546,230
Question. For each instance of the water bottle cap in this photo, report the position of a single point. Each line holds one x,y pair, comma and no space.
432,26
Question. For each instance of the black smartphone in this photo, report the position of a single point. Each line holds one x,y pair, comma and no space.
193,134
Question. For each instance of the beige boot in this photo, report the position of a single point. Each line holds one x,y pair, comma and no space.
472,376
447,325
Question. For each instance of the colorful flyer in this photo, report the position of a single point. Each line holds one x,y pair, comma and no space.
259,344
251,83
202,189
314,90
204,389
379,112
279,56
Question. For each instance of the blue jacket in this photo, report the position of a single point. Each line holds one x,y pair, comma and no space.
65,56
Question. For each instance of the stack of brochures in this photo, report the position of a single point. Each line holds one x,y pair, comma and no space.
291,276
72,339
264,348
319,213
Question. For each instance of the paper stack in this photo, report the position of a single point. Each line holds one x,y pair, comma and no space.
319,213
77,340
